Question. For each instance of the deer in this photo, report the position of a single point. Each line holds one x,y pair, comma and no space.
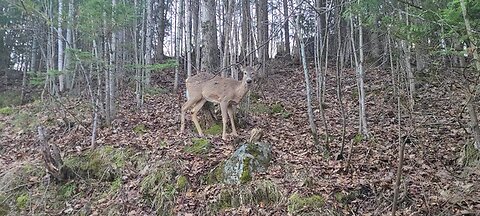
227,92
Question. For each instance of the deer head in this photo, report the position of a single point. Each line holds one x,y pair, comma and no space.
225,91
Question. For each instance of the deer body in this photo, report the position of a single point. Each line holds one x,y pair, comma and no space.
227,92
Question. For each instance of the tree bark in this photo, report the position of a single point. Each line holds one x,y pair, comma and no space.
178,41
311,117
161,29
61,78
470,106
286,29
211,59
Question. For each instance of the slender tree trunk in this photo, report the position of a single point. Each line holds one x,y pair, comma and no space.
61,78
188,8
338,80
361,76
286,28
162,8
148,42
227,33
178,41
470,104
311,117
359,73
68,57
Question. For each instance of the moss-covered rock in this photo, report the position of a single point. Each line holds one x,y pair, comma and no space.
263,192
199,146
104,163
241,166
308,203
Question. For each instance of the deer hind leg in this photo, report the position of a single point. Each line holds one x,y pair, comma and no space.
224,109
197,108
231,113
185,106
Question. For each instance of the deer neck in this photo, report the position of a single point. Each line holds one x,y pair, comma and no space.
241,90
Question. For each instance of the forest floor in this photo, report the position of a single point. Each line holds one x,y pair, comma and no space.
152,171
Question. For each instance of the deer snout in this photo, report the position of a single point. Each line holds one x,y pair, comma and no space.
249,80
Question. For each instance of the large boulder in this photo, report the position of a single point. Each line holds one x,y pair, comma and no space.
248,159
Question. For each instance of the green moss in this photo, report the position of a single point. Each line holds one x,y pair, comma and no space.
358,138
163,144
104,163
261,108
140,129
253,150
159,188
262,192
215,175
155,91
10,98
182,183
470,155
254,96
199,146
275,109
4,209
6,110
297,203
115,185
24,120
215,129
22,200
67,190
246,175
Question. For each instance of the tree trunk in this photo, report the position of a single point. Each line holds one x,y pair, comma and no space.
68,56
286,29
148,42
188,37
178,41
262,28
311,117
210,60
161,29
61,78
227,33
470,106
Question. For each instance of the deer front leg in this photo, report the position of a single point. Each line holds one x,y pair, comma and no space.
231,113
185,106
224,109
197,108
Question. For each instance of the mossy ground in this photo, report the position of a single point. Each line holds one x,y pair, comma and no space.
262,192
161,187
276,109
297,203
104,163
6,110
470,156
215,129
199,146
